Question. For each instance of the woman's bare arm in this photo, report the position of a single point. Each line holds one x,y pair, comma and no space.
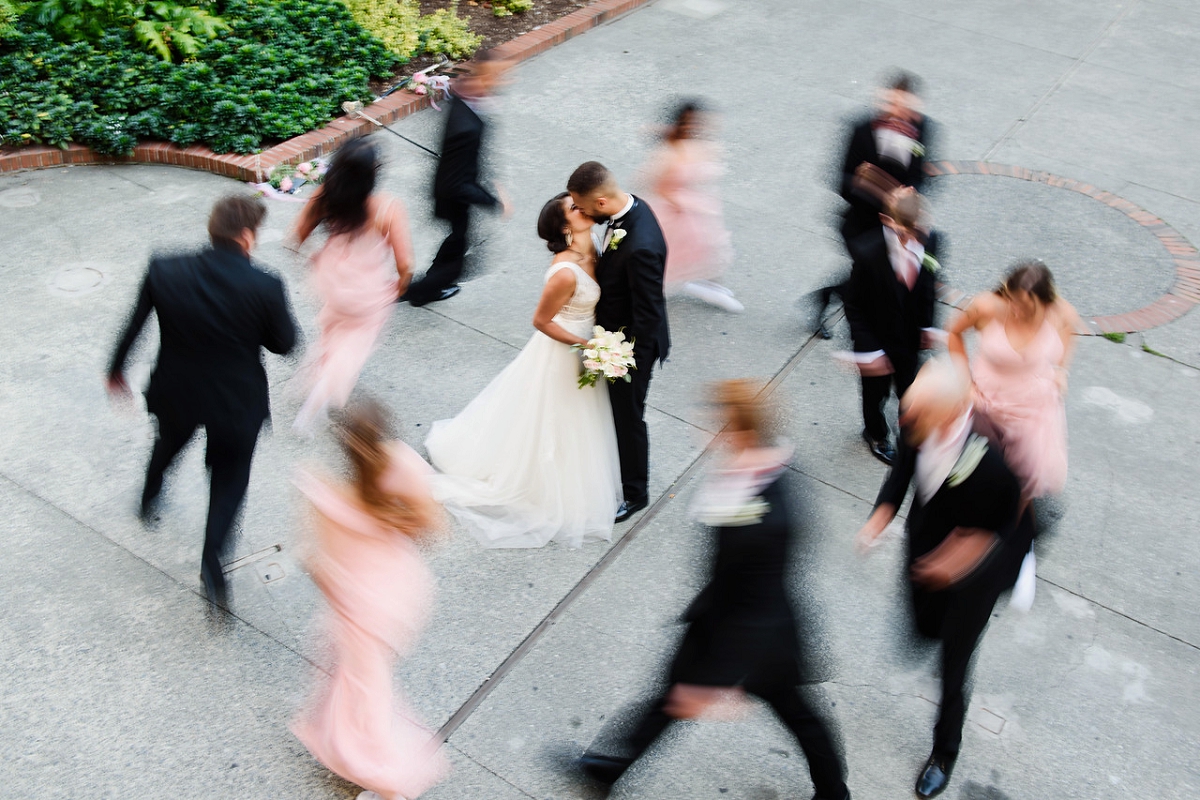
555,295
394,226
308,219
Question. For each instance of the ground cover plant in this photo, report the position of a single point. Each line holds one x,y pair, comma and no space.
249,73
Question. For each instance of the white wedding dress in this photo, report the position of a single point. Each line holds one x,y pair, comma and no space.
533,458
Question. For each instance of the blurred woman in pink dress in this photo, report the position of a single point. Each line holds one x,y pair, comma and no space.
361,270
1020,374
379,591
680,177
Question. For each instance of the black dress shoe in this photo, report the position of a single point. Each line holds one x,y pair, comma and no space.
605,770
448,292
881,449
935,777
823,331
627,509
215,588
148,512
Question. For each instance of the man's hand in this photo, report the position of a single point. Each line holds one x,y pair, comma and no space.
118,387
872,180
954,559
506,206
868,533
880,366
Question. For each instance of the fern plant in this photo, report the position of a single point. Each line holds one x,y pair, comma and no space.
162,26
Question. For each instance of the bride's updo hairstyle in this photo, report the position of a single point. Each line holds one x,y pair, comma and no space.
551,222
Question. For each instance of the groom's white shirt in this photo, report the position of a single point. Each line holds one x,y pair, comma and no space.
612,221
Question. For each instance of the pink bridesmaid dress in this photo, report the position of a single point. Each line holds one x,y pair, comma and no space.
699,246
380,593
355,275
1017,392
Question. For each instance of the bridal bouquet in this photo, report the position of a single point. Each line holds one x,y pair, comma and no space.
606,354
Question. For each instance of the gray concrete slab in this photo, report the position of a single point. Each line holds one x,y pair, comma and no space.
1090,695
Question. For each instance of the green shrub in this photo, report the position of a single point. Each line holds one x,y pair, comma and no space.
506,8
402,28
282,69
161,26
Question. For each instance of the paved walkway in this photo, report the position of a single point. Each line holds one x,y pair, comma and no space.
115,685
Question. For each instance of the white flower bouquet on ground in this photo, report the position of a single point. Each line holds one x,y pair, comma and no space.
606,354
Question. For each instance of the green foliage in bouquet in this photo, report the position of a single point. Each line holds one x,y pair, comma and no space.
506,8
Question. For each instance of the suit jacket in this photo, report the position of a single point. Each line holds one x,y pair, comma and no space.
215,311
743,622
631,286
456,182
883,313
864,209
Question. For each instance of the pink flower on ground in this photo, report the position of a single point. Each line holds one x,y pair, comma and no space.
303,168
420,90
285,185
420,77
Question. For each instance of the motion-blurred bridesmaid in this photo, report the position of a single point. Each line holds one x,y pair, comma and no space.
379,591
1026,340
680,176
359,273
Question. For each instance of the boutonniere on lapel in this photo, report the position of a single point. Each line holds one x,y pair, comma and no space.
918,149
617,235
930,263
971,455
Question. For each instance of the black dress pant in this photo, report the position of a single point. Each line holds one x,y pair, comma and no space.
228,458
824,766
633,442
447,266
875,389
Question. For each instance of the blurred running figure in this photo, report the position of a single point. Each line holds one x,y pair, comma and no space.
359,273
680,175
886,151
216,312
742,636
380,593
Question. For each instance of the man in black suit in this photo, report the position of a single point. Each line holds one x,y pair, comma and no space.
456,184
885,151
742,635
966,537
215,311
629,270
889,304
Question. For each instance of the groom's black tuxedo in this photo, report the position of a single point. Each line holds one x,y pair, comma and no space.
631,298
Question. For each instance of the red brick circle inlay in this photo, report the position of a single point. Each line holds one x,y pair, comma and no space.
1171,306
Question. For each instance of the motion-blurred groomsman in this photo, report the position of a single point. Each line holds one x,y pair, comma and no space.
964,541
889,304
215,312
456,184
886,151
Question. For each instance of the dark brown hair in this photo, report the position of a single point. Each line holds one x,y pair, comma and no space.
233,214
1031,276
588,177
551,222
683,113
903,81
365,430
904,208
342,203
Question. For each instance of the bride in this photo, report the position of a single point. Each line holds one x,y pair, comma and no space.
533,458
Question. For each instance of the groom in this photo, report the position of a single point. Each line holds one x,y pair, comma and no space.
629,270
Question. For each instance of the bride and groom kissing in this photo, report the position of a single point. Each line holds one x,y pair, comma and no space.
535,457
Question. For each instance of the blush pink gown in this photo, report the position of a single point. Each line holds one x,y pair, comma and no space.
355,275
698,244
1018,393
380,593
